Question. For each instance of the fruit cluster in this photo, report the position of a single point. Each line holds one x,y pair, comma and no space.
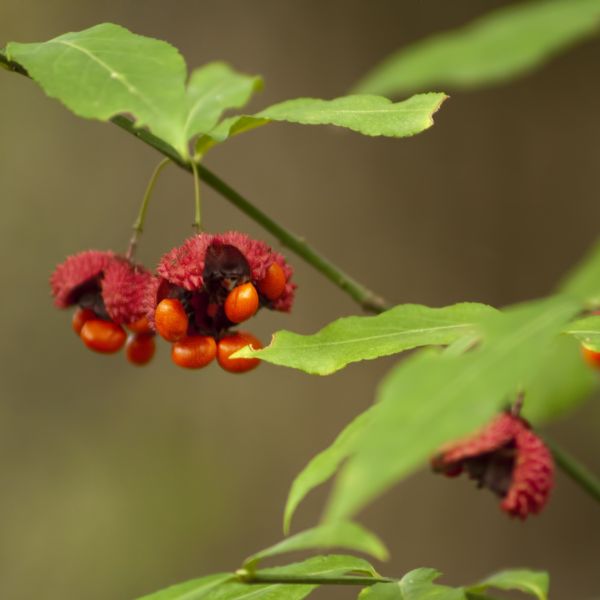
201,291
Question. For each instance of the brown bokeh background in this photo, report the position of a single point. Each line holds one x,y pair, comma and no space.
115,481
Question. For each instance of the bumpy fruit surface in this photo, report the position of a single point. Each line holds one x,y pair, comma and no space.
230,344
273,284
194,352
591,357
241,303
80,317
140,348
103,336
171,319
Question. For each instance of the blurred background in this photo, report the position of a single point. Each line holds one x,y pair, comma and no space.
116,481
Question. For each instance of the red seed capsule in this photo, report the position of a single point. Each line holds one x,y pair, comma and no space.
194,352
273,283
170,319
241,303
591,357
80,316
103,336
140,326
140,348
232,343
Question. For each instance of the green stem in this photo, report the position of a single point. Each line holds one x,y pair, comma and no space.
245,576
197,206
138,226
575,470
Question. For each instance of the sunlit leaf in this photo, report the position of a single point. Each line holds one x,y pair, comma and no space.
434,398
343,534
212,89
107,70
366,114
352,339
498,46
535,583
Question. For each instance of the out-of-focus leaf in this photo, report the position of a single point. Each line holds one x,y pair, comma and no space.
211,90
225,586
434,398
502,44
587,331
535,583
352,339
323,466
583,282
195,589
366,114
562,383
342,534
415,585
107,70
318,566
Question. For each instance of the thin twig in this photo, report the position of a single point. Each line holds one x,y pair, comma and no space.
138,226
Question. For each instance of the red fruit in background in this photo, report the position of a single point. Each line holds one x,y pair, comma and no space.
591,357
171,319
273,283
241,303
140,348
194,352
103,336
230,344
507,458
80,317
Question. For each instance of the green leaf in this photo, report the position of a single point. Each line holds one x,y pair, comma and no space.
583,282
433,398
194,589
333,565
562,383
367,114
319,566
535,583
501,45
212,89
107,70
341,534
587,331
352,339
415,585
323,466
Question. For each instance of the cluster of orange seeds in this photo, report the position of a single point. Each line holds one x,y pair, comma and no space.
200,293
